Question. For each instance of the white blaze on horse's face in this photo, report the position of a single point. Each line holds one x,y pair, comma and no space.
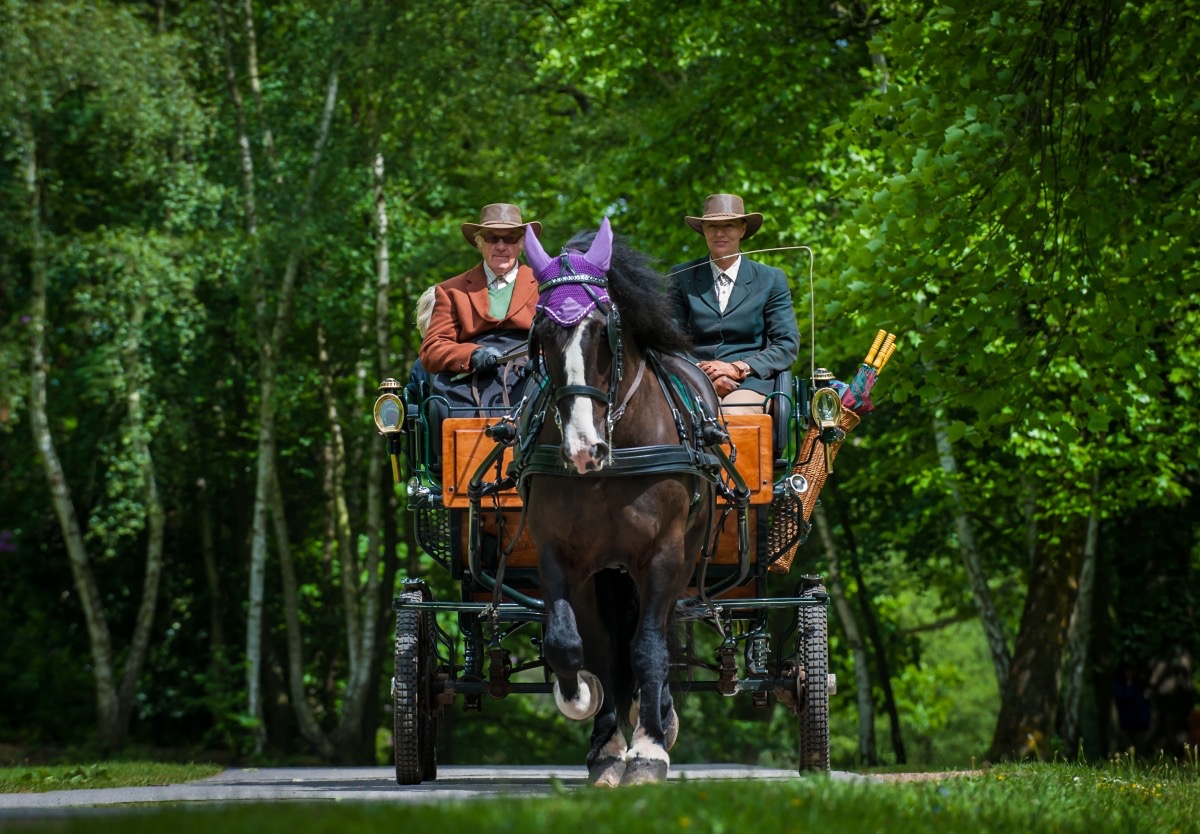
583,447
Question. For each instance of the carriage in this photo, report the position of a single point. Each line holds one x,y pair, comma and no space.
467,471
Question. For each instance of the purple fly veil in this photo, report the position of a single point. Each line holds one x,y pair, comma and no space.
569,302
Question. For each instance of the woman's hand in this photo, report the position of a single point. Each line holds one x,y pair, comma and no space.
715,368
724,385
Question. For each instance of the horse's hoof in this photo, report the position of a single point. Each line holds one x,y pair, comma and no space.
644,772
670,729
606,773
589,696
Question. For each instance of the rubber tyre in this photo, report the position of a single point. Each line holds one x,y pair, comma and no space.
813,687
415,731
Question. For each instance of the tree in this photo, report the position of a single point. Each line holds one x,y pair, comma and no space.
1022,198
64,61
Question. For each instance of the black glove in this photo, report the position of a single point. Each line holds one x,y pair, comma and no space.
484,358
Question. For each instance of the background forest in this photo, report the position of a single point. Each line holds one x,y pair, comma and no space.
215,219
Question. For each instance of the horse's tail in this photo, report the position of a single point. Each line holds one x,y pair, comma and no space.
618,596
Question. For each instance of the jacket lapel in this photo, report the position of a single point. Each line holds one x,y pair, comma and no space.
525,287
705,288
477,291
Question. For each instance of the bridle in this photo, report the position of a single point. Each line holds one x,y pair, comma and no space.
613,411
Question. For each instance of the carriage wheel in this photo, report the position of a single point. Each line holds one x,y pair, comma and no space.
415,737
813,685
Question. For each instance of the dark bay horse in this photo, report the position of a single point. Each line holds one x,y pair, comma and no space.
619,493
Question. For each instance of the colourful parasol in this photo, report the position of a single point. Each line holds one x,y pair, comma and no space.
857,397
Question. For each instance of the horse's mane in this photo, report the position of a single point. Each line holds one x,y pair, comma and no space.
639,291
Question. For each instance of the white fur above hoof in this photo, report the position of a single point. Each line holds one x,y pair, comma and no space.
587,701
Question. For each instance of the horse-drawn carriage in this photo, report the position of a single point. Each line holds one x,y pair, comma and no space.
608,517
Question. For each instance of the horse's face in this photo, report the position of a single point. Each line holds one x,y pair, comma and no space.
579,363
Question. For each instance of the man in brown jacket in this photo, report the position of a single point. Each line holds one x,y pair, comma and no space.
495,295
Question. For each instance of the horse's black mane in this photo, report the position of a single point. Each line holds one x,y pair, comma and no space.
639,291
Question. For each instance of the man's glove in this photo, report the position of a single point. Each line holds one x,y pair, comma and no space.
484,358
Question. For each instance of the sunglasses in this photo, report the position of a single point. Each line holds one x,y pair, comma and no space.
511,239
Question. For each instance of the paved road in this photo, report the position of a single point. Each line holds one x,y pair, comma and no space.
358,783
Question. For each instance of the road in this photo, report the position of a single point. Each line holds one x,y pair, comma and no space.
358,784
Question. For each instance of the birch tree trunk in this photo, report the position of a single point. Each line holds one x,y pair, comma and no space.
309,728
862,670
272,331
972,561
1079,634
264,475
139,439
108,724
875,636
360,686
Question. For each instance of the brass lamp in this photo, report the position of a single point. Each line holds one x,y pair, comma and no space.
389,420
827,413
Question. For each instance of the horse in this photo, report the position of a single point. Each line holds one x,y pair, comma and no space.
619,493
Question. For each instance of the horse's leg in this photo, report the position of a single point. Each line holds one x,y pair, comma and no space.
670,719
606,754
577,692
647,759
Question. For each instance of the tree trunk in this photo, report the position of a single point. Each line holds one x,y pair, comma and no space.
256,87
212,573
882,669
360,689
1079,633
108,724
266,380
862,672
972,561
1030,697
155,522
297,694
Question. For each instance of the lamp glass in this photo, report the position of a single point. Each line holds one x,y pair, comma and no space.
388,412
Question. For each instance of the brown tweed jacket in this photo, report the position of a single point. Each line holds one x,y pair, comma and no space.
460,315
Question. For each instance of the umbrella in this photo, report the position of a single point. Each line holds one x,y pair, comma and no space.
857,396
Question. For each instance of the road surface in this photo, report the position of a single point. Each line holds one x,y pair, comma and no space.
359,784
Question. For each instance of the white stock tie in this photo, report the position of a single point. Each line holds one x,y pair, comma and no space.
724,287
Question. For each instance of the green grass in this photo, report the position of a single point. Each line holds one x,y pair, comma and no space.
100,775
1119,796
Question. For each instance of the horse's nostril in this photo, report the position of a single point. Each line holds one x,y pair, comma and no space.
600,450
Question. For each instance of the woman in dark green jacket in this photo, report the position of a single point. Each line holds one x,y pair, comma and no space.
739,312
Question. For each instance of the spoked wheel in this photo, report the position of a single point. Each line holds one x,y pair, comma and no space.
415,737
813,684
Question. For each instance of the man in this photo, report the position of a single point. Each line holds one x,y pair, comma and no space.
495,295
739,312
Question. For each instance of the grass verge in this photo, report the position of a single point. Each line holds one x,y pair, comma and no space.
101,775
1029,799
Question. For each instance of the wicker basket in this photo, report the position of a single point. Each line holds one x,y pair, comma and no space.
812,468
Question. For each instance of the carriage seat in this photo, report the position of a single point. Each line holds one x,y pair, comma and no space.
780,405
490,393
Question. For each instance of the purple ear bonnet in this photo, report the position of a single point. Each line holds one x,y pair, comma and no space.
568,302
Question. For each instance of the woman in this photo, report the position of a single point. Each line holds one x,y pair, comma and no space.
739,312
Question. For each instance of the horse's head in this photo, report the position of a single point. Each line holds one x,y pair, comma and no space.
577,330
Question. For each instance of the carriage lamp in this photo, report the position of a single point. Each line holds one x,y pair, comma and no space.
389,420
826,413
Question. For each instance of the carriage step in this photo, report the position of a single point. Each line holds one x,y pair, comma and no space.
831,683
